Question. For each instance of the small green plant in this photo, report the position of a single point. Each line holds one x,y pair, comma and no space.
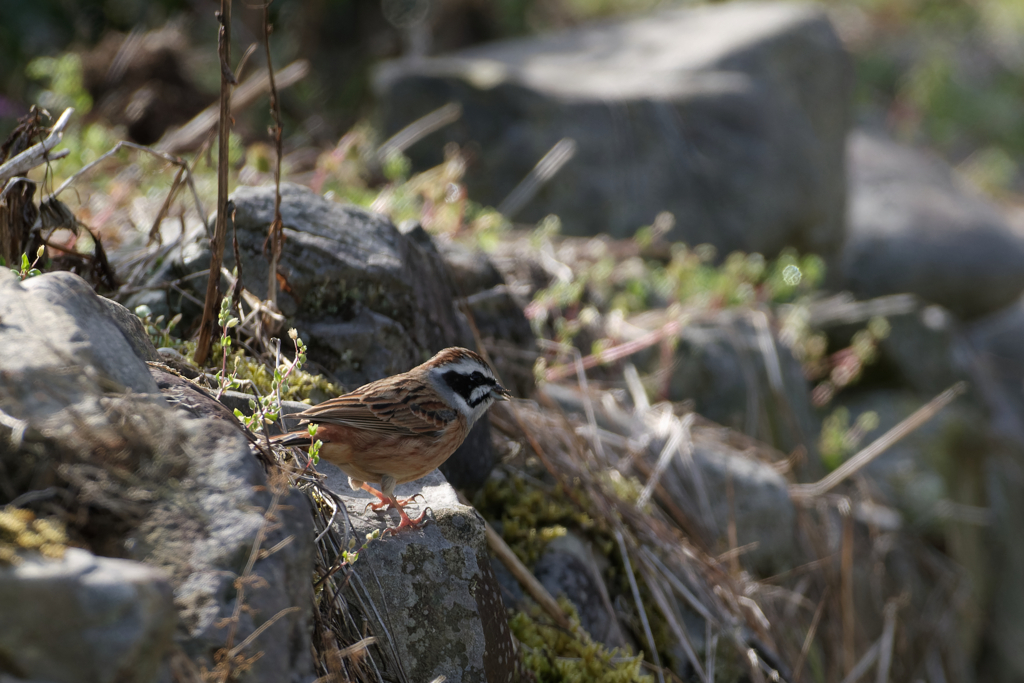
226,322
839,440
28,269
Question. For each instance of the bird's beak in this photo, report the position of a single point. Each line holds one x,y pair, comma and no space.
500,393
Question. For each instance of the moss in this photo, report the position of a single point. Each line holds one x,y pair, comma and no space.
530,516
21,530
555,655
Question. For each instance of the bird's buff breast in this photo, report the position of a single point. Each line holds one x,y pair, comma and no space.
367,456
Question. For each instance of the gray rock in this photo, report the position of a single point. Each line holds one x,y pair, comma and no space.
203,533
183,494
569,568
999,341
84,619
763,511
55,320
433,587
497,313
132,328
760,506
746,379
369,301
913,227
732,117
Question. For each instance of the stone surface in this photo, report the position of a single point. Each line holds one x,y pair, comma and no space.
732,117
433,587
56,320
741,375
203,533
999,341
84,619
763,511
183,494
369,301
761,507
915,227
569,567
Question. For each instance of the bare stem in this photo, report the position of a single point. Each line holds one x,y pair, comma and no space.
212,303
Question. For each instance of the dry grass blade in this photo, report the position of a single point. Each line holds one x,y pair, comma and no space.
886,643
549,165
419,129
864,664
879,445
670,616
809,639
639,604
142,148
680,431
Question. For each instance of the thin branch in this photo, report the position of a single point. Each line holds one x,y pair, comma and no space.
37,153
275,238
212,304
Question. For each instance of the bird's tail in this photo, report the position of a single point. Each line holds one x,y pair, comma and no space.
299,439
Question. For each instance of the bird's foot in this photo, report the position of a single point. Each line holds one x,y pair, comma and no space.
408,522
396,504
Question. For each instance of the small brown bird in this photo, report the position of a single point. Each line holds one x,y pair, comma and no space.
400,428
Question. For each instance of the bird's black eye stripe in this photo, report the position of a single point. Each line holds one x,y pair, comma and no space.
463,385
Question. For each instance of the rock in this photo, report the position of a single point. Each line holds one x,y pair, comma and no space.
53,321
434,586
369,301
569,568
760,506
497,313
84,619
999,341
762,510
149,482
203,534
742,376
731,117
914,227
132,328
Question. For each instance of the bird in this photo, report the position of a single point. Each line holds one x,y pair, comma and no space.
402,427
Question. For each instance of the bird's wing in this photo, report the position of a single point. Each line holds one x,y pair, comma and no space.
385,406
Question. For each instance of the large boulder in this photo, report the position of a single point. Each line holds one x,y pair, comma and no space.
915,227
85,420
732,117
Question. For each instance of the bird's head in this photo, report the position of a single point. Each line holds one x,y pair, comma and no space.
465,381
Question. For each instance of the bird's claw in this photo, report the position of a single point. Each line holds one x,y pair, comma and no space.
408,522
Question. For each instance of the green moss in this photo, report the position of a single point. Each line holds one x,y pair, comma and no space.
530,517
555,655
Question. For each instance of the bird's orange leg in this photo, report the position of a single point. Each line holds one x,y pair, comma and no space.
406,520
386,502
